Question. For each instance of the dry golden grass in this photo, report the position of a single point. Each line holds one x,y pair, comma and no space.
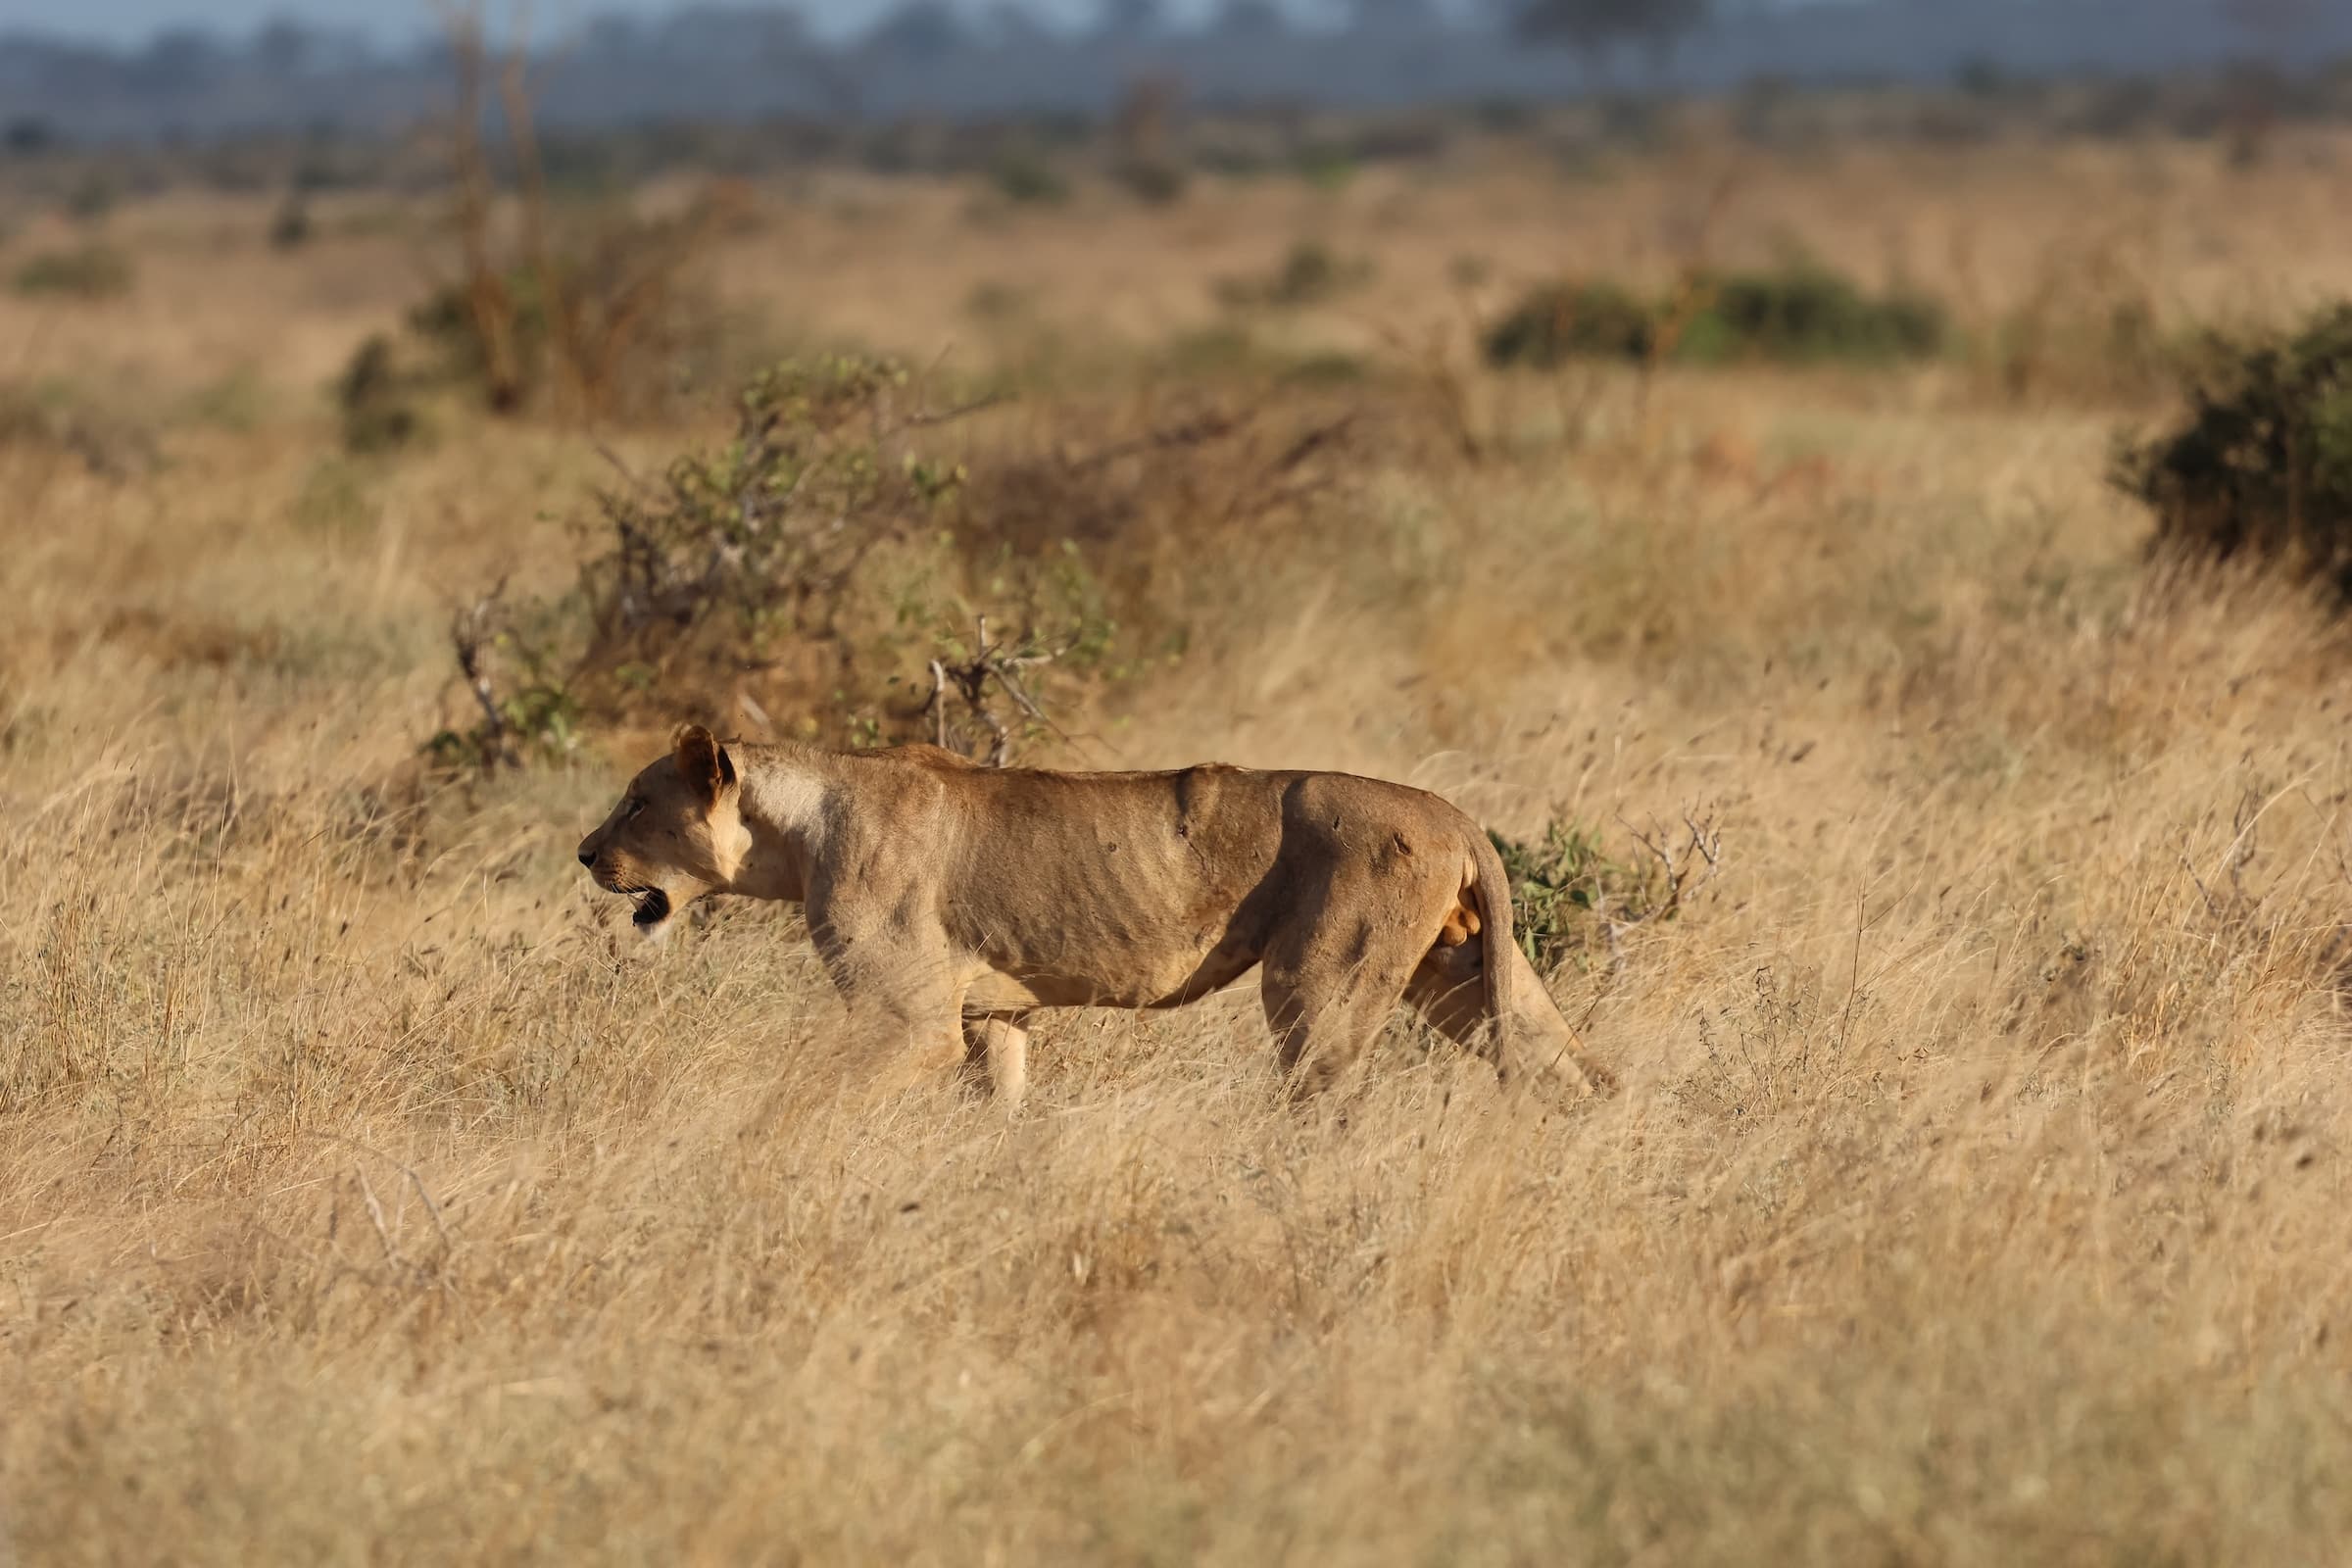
1976,1193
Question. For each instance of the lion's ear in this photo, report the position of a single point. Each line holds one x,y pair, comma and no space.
703,762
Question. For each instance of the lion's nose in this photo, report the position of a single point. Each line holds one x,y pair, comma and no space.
587,855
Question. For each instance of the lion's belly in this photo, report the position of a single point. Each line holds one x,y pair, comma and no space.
1112,944
1110,975
1132,893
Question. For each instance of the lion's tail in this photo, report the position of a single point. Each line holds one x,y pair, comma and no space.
1493,887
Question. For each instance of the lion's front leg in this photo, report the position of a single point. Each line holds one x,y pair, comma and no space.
902,991
1000,1043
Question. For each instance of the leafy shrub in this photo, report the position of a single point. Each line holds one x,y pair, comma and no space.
1025,177
1556,885
1144,159
335,497
290,225
1569,896
376,401
607,320
2262,467
1414,139
997,302
1795,314
1563,322
1325,165
828,565
91,272
92,197
237,400
2121,109
536,717
1802,313
56,416
1155,181
758,537
1309,273
746,557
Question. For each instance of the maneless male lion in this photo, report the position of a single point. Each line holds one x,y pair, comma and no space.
949,901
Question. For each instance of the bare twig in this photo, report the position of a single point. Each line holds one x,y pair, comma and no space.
470,631
1686,870
1444,384
1189,433
961,410
375,1216
1683,869
487,299
1853,984
619,465
971,678
2213,905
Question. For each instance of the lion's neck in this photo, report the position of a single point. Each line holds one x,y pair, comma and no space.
782,807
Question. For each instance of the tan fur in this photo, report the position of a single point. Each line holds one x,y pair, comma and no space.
949,902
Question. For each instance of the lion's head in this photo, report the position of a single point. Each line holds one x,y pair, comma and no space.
676,834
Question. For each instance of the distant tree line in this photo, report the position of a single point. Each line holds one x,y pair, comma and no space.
956,57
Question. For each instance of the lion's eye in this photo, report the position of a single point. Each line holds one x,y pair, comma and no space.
634,806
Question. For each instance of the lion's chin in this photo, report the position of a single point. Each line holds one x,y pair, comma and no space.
651,917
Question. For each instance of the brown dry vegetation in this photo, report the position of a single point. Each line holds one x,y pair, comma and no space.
1976,1189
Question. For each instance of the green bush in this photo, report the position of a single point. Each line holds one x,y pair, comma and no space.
1563,322
1309,273
1326,166
757,537
1796,315
631,330
2262,467
290,225
746,556
1567,892
449,324
376,401
93,198
63,418
1555,886
830,564
1026,177
1155,181
1805,314
87,273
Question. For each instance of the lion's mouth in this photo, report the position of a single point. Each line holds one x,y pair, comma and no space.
653,908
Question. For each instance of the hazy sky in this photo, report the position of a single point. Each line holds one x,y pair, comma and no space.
132,21
123,20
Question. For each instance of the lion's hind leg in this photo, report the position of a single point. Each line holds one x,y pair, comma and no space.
1448,989
1327,1000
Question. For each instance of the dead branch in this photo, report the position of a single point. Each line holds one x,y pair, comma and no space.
991,662
375,1216
470,631
487,300
1186,433
562,308
1685,869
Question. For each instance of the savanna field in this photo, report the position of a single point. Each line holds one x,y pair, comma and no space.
1976,1189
